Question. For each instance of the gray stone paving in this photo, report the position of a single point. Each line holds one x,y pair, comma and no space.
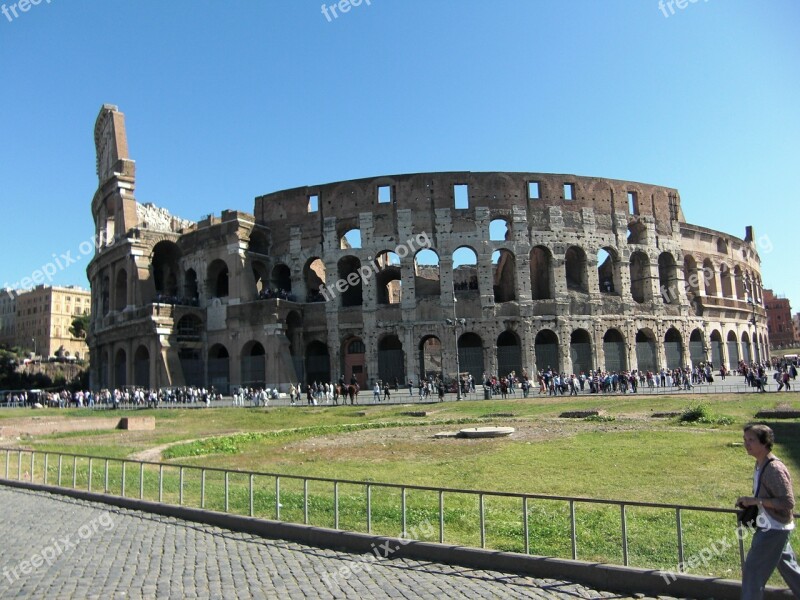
78,549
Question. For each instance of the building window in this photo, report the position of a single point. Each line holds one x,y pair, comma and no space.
569,191
313,203
533,190
461,195
384,194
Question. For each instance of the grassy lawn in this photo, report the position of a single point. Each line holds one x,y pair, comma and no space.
631,456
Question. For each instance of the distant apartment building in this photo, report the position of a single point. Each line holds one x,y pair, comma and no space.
44,316
779,320
8,313
796,320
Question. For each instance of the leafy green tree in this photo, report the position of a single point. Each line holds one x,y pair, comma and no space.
80,326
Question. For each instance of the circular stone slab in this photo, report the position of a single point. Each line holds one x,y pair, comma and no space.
486,432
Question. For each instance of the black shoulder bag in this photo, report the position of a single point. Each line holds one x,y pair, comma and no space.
747,516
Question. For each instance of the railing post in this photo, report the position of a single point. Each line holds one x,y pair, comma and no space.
74,472
525,531
624,535
105,476
403,510
89,476
277,498
369,508
336,505
8,460
44,479
122,491
252,478
203,489
226,490
141,481
19,465
441,517
180,489
740,537
573,533
305,501
33,454
483,521
160,483
679,524
59,470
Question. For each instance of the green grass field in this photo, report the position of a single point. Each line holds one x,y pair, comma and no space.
629,456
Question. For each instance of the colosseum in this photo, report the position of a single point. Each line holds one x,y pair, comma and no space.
406,276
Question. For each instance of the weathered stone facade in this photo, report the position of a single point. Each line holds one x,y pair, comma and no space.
571,272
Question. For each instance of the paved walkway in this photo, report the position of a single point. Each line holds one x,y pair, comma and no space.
59,547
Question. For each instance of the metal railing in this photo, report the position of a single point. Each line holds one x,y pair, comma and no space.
260,494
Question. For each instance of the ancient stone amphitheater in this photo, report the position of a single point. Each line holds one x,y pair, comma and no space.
385,277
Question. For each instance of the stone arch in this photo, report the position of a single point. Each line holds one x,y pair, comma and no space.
218,279
294,333
254,365
505,275
673,348
542,273
351,239
509,354
141,367
546,350
668,278
318,362
391,360
120,369
430,357
465,269
575,265
219,368
640,277
427,277
609,273
261,278
710,277
580,350
281,277
733,350
646,354
189,329
500,230
190,289
726,281
314,276
615,350
353,294
716,348
697,347
747,355
165,268
388,278
738,283
258,242
121,290
354,364
470,355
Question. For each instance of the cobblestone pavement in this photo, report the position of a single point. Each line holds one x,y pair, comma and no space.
57,547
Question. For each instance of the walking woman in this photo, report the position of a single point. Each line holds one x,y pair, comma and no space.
772,493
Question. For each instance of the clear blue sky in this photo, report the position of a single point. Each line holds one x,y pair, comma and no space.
229,100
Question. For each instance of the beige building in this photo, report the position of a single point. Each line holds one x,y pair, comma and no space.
8,313
44,316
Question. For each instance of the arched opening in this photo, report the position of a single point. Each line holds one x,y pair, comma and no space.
575,266
350,240
637,233
281,278
697,347
673,348
746,354
353,293
499,230
105,295
190,290
668,278
430,357
318,363
426,273
504,265
219,368
509,354
738,280
192,366
121,290
545,348
646,355
254,365
258,242
608,271
580,350
294,333
542,274
726,281
355,362
165,269
470,355
314,277
756,348
218,279
261,279
615,350
710,277
388,278
120,369
141,367
640,277
716,348
733,350
189,329
722,246
465,270
391,360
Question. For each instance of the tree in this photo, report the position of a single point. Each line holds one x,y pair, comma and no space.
80,326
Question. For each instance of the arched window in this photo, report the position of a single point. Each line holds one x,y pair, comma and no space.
505,276
427,281
576,271
465,270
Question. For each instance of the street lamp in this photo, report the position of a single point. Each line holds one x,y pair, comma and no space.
34,346
454,323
